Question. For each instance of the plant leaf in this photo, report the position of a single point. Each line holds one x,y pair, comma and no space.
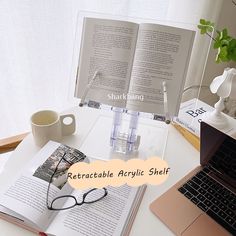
233,55
225,42
201,26
210,28
203,31
222,55
205,26
232,50
224,33
232,43
202,21
217,44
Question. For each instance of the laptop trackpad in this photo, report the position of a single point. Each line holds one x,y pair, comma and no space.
204,226
175,210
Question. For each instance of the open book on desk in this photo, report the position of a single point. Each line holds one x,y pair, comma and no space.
23,201
132,61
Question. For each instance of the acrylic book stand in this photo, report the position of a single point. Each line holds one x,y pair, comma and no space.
125,141
126,134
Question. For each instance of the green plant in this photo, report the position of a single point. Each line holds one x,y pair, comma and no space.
223,42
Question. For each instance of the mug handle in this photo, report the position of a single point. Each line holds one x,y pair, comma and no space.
70,128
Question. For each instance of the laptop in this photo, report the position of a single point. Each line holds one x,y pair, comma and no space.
204,201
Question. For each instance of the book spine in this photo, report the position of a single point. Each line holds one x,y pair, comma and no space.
191,138
187,126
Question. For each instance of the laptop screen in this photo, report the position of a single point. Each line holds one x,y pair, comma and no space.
219,151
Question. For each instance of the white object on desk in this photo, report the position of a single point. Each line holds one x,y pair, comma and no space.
179,154
222,86
49,125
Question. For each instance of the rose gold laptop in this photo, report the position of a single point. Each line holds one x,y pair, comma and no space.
203,203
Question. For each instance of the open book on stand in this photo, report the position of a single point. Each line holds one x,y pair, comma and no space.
23,200
132,61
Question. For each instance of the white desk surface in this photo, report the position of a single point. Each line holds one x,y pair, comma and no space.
179,154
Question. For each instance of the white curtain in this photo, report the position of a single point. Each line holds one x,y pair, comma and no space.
36,48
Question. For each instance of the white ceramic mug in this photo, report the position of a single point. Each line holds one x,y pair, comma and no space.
49,125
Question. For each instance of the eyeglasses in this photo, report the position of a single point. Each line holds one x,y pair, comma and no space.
91,196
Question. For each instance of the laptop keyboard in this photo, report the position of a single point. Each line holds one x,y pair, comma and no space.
214,199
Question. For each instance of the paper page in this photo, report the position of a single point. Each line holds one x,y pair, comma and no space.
135,207
26,194
104,218
4,210
17,219
108,47
162,54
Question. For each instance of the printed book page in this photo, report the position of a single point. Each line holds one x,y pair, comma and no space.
133,61
107,46
26,194
24,200
107,217
162,54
